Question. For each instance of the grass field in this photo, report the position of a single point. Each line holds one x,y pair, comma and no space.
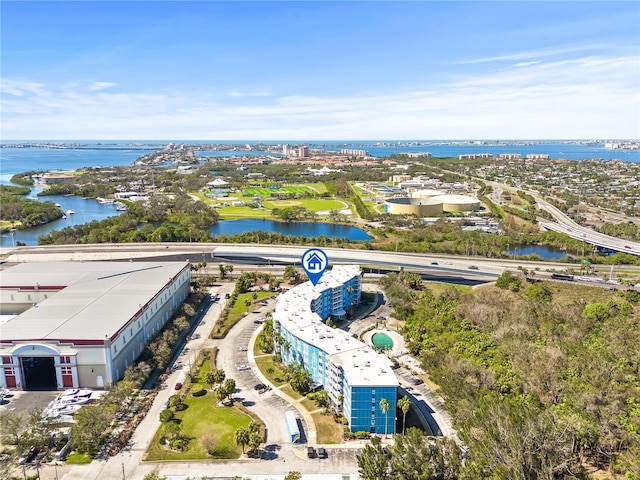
238,310
312,204
6,225
78,459
300,190
265,363
202,417
328,431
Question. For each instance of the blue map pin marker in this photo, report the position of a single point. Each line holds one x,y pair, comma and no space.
314,262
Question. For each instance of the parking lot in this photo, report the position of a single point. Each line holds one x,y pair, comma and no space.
19,401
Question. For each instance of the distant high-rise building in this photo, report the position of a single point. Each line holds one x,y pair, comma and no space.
303,151
352,152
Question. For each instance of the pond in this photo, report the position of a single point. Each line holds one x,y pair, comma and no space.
542,251
89,210
309,229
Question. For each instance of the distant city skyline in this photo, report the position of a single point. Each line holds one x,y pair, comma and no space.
319,70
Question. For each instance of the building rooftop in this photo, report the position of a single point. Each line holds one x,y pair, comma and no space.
88,301
362,365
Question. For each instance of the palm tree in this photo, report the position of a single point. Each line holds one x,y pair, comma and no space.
218,375
405,404
242,437
210,378
384,407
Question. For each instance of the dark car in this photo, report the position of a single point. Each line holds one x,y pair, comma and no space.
473,267
322,453
417,381
178,386
434,263
259,386
311,452
28,456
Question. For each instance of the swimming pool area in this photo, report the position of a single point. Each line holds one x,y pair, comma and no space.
382,341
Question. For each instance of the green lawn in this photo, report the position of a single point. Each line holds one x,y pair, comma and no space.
291,392
202,417
7,224
77,458
310,405
327,430
240,308
317,187
313,204
264,363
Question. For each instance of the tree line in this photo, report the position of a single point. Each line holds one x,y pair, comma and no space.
543,382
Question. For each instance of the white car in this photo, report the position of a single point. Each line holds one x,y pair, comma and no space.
243,367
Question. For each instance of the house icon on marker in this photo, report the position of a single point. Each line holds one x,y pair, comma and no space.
314,263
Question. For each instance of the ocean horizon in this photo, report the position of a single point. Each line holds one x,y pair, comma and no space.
18,156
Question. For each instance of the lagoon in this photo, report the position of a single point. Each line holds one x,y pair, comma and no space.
85,211
309,229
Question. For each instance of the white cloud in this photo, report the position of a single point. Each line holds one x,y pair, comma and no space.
526,64
590,97
95,86
543,52
248,93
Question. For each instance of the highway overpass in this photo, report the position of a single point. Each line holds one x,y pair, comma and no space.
564,224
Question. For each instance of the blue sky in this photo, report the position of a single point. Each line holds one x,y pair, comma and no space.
320,70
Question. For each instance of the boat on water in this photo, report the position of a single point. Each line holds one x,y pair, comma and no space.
70,212
64,217
121,207
58,205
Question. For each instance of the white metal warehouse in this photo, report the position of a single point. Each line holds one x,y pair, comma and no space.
81,324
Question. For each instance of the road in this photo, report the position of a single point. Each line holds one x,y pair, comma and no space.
436,266
566,225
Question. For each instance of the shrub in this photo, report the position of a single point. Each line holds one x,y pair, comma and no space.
198,390
362,435
180,443
166,415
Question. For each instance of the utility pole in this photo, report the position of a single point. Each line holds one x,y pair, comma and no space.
123,477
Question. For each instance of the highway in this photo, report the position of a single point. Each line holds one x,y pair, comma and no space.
440,267
567,226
